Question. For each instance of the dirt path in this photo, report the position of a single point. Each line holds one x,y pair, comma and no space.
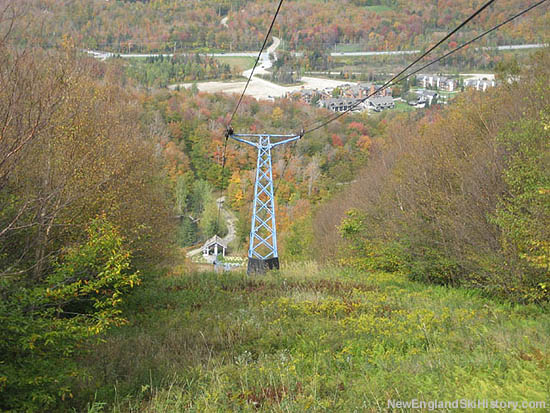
231,221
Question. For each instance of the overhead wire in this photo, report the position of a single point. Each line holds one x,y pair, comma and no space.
256,62
397,79
388,83
385,85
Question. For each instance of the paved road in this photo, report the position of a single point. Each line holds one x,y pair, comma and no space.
105,55
518,46
102,55
386,53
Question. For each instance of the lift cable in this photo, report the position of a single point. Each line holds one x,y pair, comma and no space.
388,83
385,85
257,60
399,77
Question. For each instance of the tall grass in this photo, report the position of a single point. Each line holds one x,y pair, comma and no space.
315,339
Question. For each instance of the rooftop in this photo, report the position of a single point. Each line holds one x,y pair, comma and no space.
215,240
381,99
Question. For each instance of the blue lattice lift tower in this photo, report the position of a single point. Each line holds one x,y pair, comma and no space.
262,252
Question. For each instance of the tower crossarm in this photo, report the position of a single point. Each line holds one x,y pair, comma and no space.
240,137
292,139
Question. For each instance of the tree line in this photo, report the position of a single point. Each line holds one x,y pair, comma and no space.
85,209
160,71
459,196
168,26
193,126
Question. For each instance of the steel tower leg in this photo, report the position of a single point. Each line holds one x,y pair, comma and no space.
262,252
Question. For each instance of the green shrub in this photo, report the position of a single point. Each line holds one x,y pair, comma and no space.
523,214
430,265
44,321
298,239
364,253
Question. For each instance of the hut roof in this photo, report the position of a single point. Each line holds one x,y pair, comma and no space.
215,240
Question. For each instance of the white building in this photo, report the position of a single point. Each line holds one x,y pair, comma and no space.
214,246
438,82
479,84
342,104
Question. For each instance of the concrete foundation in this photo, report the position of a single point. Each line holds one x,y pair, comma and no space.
258,266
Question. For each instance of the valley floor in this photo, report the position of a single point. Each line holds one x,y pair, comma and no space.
312,339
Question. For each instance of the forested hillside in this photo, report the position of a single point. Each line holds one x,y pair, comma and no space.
84,205
162,25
